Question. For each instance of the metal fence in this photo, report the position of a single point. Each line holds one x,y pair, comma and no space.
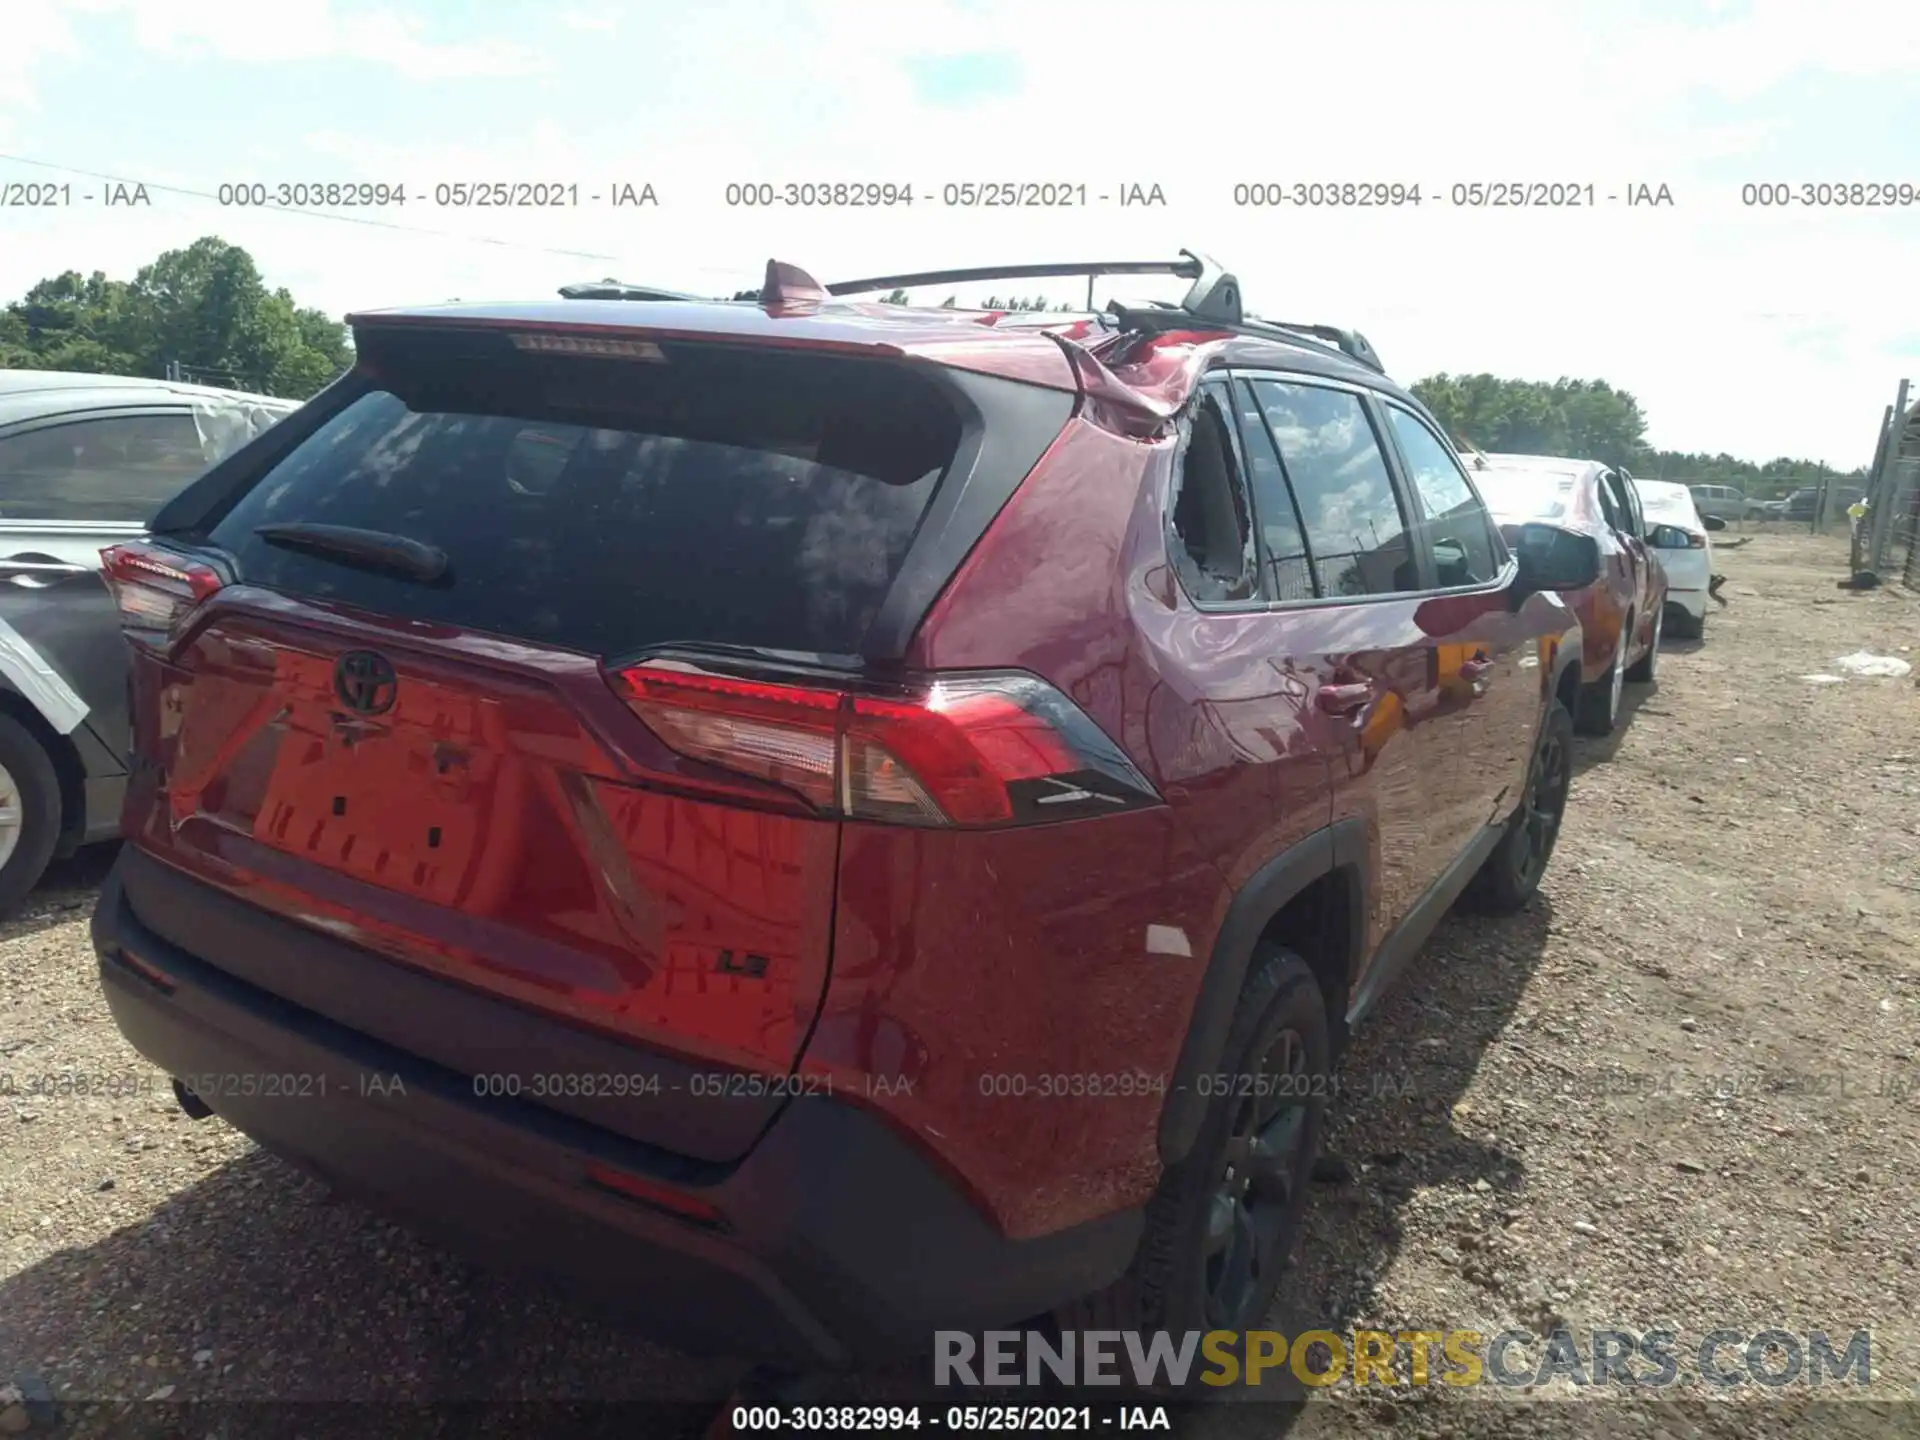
1894,494
1903,532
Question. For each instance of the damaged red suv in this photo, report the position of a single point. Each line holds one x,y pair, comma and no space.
817,821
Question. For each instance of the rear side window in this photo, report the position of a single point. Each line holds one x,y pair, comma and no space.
118,467
706,497
1212,541
1355,529
1459,531
1283,539
1615,505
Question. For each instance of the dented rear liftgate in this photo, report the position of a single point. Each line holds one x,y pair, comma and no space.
349,745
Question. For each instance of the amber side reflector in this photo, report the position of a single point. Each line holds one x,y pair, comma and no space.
152,974
651,1192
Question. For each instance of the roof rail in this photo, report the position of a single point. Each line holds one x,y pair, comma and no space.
620,290
1349,343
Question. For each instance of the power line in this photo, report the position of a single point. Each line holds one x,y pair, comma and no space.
367,220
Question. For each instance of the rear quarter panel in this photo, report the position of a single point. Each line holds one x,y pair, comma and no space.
1036,984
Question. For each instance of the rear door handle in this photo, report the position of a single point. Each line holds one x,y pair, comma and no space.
1344,699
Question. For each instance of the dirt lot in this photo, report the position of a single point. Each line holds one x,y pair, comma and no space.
1681,1090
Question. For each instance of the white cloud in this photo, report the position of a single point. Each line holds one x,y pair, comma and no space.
238,30
603,22
1710,312
36,31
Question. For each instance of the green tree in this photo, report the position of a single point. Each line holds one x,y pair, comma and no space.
1585,418
1591,420
205,309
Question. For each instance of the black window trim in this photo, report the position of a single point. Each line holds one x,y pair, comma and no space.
1213,382
1509,566
60,419
1370,407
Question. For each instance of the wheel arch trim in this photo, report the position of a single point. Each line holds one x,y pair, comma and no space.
1342,846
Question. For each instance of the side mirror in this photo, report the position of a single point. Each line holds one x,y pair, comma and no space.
1550,558
1713,522
1666,537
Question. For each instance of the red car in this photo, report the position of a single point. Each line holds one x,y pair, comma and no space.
1622,611
818,822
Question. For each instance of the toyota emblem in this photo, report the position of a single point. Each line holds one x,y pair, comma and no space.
365,682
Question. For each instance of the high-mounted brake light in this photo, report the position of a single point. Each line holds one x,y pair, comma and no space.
603,347
155,589
959,750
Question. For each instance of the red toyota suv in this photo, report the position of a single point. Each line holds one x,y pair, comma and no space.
818,821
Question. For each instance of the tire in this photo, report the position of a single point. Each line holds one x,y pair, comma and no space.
1648,666
30,812
1511,875
1600,702
1685,626
1167,1285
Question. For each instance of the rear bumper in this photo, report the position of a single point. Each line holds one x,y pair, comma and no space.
838,1244
1694,602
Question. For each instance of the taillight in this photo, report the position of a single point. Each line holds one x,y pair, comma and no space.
958,750
1696,541
155,589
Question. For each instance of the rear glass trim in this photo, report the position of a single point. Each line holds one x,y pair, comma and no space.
756,496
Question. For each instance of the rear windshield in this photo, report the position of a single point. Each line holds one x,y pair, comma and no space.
605,505
1669,504
1524,494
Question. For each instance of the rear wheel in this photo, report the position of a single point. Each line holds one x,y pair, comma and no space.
1221,1228
1686,625
29,812
1511,875
1600,701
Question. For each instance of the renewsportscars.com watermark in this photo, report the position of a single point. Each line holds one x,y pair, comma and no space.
1722,1359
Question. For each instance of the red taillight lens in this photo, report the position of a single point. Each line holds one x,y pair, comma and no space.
780,733
966,750
155,589
1696,541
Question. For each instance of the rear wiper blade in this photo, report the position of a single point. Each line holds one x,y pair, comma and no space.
374,550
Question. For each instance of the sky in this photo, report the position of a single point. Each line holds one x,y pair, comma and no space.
1754,330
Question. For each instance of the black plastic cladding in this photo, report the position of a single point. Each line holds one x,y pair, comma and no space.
1006,426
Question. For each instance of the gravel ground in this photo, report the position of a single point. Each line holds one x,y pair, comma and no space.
1680,1090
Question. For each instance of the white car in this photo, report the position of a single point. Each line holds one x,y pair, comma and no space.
1678,536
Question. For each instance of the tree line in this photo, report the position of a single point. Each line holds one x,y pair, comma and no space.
202,314
205,314
1595,421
